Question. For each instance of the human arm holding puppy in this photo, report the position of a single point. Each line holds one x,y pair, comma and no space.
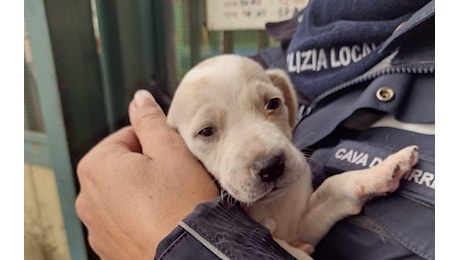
138,184
141,186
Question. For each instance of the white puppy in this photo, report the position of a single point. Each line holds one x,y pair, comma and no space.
237,118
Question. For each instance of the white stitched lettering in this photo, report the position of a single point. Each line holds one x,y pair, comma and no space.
352,156
375,161
290,62
417,176
308,60
297,59
420,177
334,62
345,56
355,53
321,59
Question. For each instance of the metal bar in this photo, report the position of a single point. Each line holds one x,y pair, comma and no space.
164,45
194,27
112,76
228,42
133,40
78,70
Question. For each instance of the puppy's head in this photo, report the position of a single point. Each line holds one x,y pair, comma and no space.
237,118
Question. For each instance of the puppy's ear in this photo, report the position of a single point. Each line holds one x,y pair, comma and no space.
281,80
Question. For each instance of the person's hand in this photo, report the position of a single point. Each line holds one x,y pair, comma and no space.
138,184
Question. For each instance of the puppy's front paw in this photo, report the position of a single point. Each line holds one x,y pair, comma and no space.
385,177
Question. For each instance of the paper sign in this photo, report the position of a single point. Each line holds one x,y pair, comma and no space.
249,14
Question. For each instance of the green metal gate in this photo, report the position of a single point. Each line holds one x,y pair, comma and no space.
88,58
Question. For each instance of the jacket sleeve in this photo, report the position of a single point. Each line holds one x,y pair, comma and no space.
217,230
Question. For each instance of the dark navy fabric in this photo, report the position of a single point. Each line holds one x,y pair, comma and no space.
406,216
374,242
171,248
400,225
409,222
363,97
314,127
240,237
337,40
225,226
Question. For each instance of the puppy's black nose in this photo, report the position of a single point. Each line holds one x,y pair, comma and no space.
272,168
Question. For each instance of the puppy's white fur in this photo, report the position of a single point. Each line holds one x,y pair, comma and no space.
237,118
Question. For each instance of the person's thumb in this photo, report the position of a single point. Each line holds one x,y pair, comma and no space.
149,122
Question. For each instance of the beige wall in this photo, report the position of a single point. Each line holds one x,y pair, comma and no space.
44,232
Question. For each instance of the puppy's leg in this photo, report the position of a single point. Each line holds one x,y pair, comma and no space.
344,194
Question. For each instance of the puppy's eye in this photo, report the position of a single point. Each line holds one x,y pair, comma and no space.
206,132
273,104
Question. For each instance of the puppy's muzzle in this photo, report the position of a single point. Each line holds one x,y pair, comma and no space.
268,169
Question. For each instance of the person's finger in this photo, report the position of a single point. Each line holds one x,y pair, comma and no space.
149,122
